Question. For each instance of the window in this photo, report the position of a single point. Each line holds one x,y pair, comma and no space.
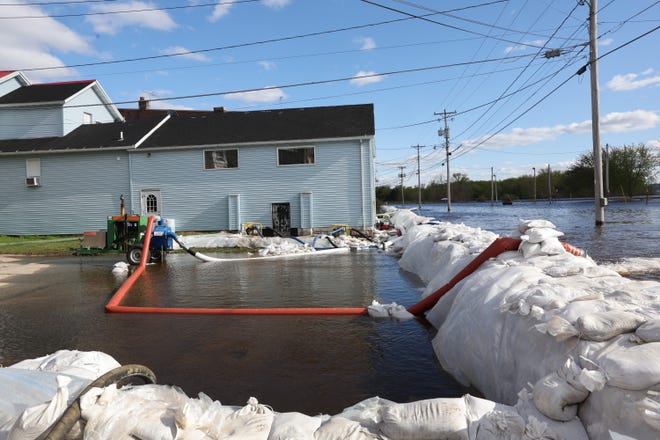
33,172
152,204
218,159
296,156
87,118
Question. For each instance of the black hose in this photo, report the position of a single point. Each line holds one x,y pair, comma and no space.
361,234
71,415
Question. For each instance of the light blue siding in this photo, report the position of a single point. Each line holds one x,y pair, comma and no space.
9,85
78,192
30,122
84,103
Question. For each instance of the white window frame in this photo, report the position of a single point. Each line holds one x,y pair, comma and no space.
211,150
87,118
304,147
33,167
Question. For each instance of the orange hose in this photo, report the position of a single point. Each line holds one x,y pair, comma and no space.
497,247
114,303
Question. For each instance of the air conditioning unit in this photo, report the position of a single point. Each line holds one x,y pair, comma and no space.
32,181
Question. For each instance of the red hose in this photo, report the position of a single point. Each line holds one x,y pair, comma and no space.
497,247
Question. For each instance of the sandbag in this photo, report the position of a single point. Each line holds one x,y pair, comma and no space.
537,235
524,225
367,412
86,364
632,368
339,428
252,422
424,419
649,331
35,420
295,426
601,326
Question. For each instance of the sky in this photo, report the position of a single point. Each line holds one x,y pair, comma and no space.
506,72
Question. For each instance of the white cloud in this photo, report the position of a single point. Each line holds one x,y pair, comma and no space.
258,96
112,23
267,65
276,3
221,9
653,144
362,78
616,122
172,50
366,43
526,46
605,42
23,47
632,81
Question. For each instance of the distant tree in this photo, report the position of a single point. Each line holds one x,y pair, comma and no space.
632,169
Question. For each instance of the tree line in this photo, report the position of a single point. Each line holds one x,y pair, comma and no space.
631,171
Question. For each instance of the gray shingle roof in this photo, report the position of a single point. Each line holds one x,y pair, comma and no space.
51,92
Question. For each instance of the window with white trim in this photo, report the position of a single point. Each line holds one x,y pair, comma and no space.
33,172
87,118
296,156
220,159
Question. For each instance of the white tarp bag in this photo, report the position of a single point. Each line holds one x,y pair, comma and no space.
337,427
295,426
424,419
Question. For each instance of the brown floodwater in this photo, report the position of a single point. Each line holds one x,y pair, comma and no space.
311,364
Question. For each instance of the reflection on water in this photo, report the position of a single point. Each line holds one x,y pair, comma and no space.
312,364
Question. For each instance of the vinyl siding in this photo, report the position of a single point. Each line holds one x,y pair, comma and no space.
198,199
30,122
84,103
9,85
78,192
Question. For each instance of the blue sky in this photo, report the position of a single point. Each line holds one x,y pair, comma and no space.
516,107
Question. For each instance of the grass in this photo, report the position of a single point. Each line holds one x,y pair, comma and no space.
55,245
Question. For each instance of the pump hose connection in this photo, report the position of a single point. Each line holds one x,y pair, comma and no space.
120,376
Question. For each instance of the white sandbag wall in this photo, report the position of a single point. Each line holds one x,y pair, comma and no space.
583,336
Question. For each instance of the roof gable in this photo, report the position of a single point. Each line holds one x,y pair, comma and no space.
43,93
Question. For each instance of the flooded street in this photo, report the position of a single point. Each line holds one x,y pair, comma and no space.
311,364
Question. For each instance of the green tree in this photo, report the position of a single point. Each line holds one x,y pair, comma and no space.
632,169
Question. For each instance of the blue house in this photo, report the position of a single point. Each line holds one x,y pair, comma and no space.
67,155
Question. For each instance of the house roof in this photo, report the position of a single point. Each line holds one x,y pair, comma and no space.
209,128
111,135
265,126
50,92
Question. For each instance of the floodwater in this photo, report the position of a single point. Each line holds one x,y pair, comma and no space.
311,364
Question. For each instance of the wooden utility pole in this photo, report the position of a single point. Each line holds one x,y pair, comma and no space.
419,179
599,199
534,169
445,133
401,176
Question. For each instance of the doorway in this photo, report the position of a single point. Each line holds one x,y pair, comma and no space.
282,218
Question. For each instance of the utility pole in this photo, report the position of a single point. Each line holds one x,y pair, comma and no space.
419,179
491,186
534,169
607,169
549,185
445,133
495,179
401,176
599,200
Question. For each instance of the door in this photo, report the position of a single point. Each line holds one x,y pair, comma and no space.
150,202
282,218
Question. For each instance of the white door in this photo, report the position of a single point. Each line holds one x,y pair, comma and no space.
150,202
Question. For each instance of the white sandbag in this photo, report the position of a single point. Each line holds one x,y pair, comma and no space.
295,426
558,394
392,310
488,420
524,225
552,246
339,428
367,412
201,418
252,422
35,420
649,331
537,235
87,364
602,326
424,419
632,368
542,427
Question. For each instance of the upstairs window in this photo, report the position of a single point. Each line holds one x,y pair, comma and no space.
33,172
219,159
296,156
87,118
